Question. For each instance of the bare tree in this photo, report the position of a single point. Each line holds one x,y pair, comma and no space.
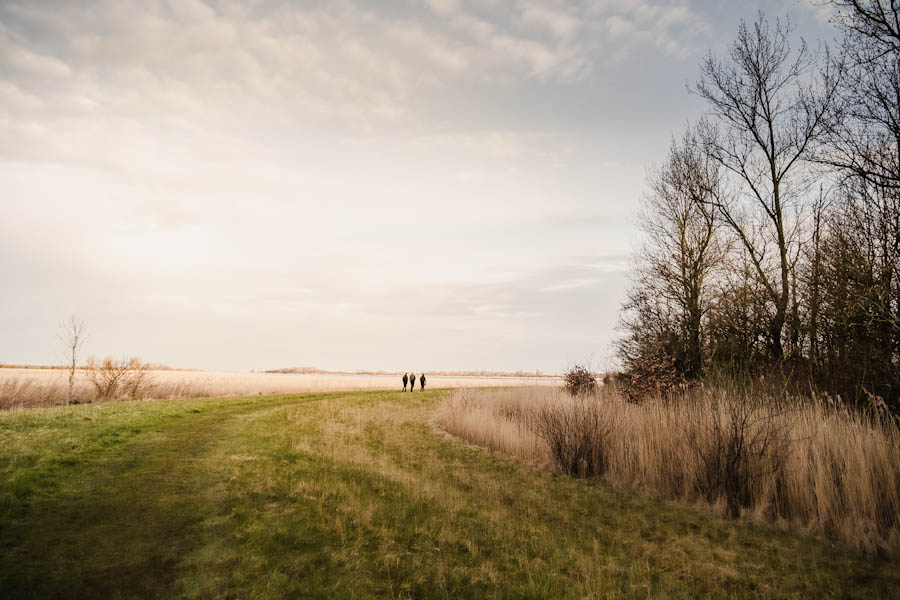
670,295
865,135
72,334
812,277
859,287
859,298
754,252
768,108
878,20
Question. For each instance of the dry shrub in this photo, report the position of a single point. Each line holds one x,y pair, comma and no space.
816,466
580,380
738,444
118,378
577,431
653,375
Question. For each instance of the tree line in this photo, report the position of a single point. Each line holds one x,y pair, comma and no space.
772,228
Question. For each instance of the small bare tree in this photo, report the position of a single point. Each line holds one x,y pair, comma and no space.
72,334
670,296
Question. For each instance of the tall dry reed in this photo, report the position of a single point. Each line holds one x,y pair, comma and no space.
815,466
501,420
23,392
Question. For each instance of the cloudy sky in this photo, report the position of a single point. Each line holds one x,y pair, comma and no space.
425,184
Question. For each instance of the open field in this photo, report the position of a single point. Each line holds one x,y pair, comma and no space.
22,388
355,495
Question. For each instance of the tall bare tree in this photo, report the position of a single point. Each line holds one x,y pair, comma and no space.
812,276
860,287
874,19
72,334
865,138
670,296
768,108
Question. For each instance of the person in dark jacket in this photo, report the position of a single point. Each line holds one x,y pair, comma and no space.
422,381
405,379
412,381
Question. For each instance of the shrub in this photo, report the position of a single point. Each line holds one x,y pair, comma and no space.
112,378
580,380
653,375
577,433
736,446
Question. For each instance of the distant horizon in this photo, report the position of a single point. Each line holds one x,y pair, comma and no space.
305,370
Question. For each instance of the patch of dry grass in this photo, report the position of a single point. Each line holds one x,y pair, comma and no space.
816,467
502,421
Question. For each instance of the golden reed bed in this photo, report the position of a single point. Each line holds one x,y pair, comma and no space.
814,466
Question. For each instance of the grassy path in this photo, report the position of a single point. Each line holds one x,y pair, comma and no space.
121,505
353,496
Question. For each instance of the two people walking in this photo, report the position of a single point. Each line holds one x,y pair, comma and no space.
411,380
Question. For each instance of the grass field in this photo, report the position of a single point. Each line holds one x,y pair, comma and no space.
355,495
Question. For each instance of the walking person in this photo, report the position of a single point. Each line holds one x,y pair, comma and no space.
405,379
422,381
412,381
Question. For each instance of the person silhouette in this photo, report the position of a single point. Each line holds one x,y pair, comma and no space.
412,381
422,381
405,379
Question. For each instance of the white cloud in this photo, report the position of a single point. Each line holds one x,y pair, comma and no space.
618,25
28,64
445,7
673,26
558,22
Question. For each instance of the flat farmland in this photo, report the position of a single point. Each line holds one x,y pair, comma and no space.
32,387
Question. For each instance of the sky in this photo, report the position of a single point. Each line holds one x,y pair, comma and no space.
416,184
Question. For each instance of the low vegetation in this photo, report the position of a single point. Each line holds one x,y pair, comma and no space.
814,466
356,496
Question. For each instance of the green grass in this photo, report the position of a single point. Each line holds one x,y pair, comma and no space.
354,496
